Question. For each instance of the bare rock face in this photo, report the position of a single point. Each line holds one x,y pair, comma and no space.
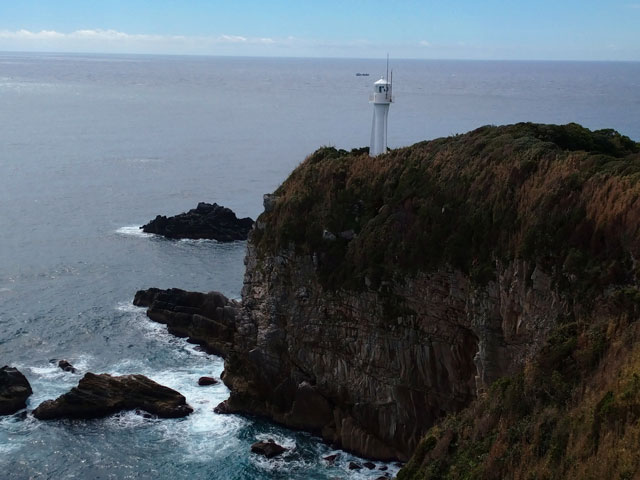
14,390
101,395
206,221
368,371
371,371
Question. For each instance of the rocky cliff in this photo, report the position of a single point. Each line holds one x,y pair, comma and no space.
372,371
382,294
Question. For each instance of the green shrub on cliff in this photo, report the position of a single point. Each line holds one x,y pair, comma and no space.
560,196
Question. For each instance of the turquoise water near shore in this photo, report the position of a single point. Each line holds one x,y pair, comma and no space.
94,146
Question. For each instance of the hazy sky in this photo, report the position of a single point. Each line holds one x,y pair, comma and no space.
474,29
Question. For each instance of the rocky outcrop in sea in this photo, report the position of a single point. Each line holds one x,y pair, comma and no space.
14,390
208,319
206,221
97,396
268,448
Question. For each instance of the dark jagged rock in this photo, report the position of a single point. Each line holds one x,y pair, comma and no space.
369,465
331,459
207,319
14,390
221,409
205,381
354,466
66,366
269,448
101,395
144,298
144,414
206,221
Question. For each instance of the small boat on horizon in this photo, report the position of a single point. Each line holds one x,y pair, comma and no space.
362,74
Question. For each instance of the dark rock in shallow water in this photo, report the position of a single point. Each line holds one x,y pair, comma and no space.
369,465
221,409
144,298
331,459
14,390
354,466
66,366
207,319
269,448
207,221
144,414
204,381
100,395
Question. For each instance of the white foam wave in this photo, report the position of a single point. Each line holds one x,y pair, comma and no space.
49,381
197,241
133,231
344,459
192,433
129,420
143,159
129,307
289,460
157,332
287,442
6,448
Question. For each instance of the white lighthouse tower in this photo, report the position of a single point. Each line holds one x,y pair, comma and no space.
381,99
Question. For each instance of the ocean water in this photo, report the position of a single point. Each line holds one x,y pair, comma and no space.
92,146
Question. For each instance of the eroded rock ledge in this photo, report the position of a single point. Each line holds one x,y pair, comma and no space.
207,319
206,221
101,395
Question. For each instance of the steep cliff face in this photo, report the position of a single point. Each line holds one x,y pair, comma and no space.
382,294
372,371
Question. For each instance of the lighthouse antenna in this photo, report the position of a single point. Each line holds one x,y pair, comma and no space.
387,77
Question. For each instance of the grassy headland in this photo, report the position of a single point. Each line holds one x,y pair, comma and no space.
564,198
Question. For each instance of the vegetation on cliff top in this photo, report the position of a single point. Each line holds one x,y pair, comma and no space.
564,197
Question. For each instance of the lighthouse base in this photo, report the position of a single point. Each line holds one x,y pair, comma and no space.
379,129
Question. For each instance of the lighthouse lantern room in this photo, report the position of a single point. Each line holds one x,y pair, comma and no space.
381,99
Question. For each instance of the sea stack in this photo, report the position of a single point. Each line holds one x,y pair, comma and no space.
206,221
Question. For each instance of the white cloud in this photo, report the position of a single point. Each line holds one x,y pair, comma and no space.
115,41
97,40
27,35
232,38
